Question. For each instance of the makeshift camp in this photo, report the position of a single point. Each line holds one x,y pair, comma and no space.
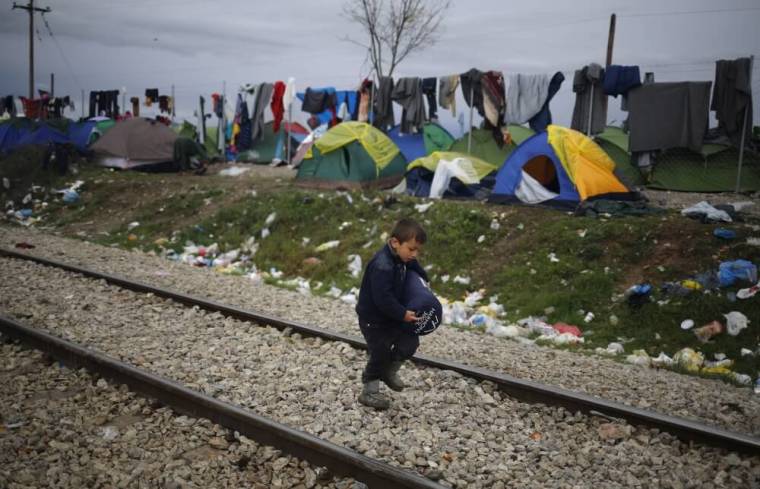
135,142
352,155
271,147
433,137
15,133
449,174
484,147
714,169
188,130
560,167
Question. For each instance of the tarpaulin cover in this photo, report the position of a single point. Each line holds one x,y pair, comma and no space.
378,145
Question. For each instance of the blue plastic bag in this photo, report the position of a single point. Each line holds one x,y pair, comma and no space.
419,298
724,233
737,270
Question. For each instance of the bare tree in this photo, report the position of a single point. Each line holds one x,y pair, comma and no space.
395,28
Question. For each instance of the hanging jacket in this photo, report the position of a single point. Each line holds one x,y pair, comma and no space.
428,90
447,88
408,93
263,96
541,121
278,109
383,109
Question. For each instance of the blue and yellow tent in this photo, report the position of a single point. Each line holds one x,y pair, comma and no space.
560,167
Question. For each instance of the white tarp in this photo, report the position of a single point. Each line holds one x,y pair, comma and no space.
531,191
460,168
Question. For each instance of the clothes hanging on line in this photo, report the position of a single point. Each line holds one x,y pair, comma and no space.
8,105
347,97
543,118
135,101
383,109
244,140
732,97
618,80
407,92
494,104
278,108
290,92
104,103
165,103
472,90
429,86
263,97
668,115
33,108
526,96
589,98
365,96
447,87
217,104
151,96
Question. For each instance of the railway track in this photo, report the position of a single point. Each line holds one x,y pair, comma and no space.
523,390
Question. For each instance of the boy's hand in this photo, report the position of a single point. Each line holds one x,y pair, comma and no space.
409,317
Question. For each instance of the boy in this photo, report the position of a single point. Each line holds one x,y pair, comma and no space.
383,319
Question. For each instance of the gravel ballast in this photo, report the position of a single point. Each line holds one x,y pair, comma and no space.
705,400
62,428
464,433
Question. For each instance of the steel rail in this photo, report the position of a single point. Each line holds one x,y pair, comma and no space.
524,390
339,460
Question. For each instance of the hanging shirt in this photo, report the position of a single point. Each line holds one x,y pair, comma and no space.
383,108
590,96
472,89
263,97
290,92
447,87
525,97
543,118
407,92
732,96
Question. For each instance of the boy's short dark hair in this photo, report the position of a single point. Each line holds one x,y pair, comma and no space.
408,229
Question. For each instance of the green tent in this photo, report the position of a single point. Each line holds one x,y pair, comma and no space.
188,130
484,146
714,169
352,155
271,146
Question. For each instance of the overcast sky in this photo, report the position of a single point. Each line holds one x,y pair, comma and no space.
196,45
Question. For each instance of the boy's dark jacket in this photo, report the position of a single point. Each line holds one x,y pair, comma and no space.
381,293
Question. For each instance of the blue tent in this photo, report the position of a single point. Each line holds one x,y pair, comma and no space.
433,137
44,134
537,171
79,134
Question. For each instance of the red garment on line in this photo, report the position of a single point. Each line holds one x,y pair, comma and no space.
278,109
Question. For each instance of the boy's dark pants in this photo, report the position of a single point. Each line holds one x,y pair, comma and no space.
386,343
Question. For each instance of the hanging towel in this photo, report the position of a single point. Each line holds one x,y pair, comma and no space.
619,79
525,97
540,121
447,88
428,90
290,92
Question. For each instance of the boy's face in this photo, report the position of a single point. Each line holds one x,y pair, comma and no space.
408,250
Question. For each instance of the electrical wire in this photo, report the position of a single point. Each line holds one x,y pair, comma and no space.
60,50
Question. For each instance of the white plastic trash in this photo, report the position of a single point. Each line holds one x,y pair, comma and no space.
735,322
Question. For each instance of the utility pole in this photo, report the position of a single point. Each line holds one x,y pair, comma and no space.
610,40
31,9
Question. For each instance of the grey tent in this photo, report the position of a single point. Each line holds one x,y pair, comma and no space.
135,142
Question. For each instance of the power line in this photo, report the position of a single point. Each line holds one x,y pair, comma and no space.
60,50
691,12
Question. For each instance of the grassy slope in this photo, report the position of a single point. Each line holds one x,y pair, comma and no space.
512,262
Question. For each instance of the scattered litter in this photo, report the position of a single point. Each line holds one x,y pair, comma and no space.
553,258
708,331
274,273
741,205
537,325
501,331
132,225
305,241
724,233
335,292
423,207
344,225
472,298
6,183
70,196
562,339
639,357
27,198
253,193
264,233
589,317
662,360
444,278
687,324
270,219
582,233
462,280
752,241
24,245
746,351
109,433
689,359
613,320
235,171
703,210
614,431
749,292
732,271
349,298
735,322
481,321
355,265
312,261
742,379
349,199
563,328
327,245
495,225
612,349
521,226
384,236
481,238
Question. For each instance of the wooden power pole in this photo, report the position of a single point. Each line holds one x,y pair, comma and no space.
610,41
31,9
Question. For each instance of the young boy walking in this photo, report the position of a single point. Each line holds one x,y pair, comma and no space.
383,319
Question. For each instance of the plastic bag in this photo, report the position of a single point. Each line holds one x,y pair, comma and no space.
731,271
735,322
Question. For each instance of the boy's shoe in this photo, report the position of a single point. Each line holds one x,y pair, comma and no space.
392,379
371,396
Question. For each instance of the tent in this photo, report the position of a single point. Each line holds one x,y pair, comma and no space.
271,146
449,174
560,167
188,130
484,146
714,169
135,142
432,138
352,155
